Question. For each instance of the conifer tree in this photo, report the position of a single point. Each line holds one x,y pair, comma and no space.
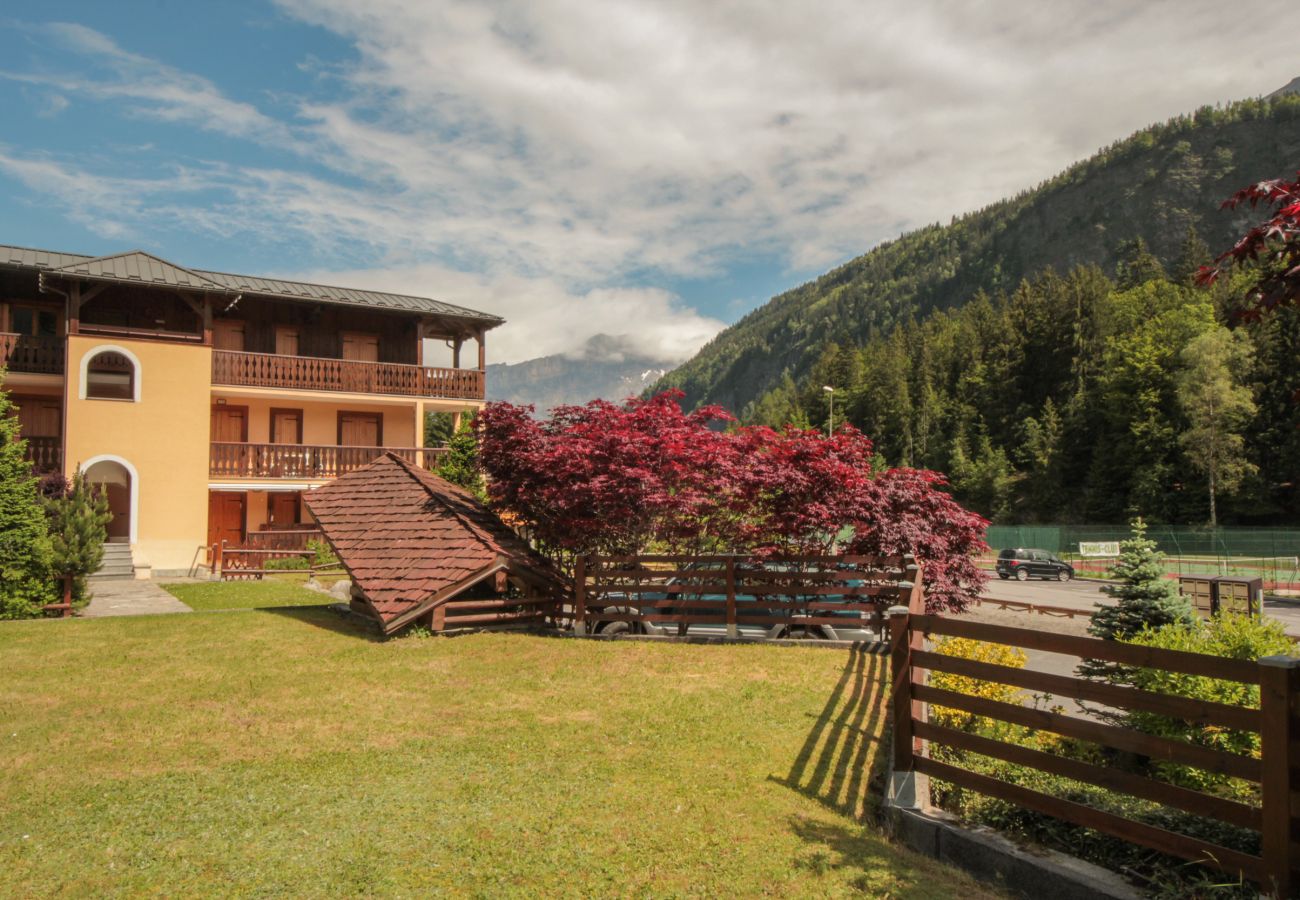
1143,596
78,522
25,583
461,466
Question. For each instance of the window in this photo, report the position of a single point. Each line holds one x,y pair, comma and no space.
110,376
35,322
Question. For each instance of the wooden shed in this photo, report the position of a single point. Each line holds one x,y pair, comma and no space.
421,550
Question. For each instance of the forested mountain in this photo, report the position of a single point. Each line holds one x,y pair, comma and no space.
1037,350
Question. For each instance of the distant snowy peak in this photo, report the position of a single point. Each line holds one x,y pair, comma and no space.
608,367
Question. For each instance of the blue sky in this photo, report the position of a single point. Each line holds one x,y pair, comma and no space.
624,167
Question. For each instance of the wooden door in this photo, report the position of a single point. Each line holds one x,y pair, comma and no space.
226,518
39,417
282,509
230,423
361,429
360,347
228,334
286,426
286,341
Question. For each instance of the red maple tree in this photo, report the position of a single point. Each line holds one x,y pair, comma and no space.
623,479
1273,245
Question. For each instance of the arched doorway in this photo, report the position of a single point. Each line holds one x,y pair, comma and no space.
117,480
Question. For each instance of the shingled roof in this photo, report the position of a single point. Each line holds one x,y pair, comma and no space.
411,540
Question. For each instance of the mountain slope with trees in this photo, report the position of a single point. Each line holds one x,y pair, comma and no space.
1154,185
1039,351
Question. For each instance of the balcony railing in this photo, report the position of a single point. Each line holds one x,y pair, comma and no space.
24,353
46,454
312,373
312,461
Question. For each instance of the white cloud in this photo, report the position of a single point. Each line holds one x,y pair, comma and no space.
545,317
548,159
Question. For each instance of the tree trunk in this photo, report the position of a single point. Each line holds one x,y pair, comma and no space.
1214,522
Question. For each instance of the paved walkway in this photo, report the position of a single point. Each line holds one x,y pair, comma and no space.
130,598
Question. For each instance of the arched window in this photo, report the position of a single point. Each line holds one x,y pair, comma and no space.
111,376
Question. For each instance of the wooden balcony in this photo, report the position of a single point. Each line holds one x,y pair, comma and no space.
308,461
311,373
46,454
24,353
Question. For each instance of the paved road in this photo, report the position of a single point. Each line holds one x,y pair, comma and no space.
1083,595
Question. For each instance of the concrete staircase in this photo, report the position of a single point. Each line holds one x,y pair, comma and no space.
118,564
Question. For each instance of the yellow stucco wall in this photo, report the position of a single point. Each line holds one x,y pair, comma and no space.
164,437
320,420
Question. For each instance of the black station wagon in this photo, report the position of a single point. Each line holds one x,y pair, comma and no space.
1023,565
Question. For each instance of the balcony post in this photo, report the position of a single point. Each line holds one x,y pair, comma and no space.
482,349
455,353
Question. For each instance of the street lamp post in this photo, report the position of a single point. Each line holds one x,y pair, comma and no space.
830,420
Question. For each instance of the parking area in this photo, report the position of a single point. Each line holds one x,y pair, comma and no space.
1083,595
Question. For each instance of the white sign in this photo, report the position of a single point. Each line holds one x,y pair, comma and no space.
1099,548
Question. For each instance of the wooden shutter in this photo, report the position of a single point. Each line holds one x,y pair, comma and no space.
286,426
286,341
360,347
228,334
360,430
229,423
39,418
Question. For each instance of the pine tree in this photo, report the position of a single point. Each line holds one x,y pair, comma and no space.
25,583
1144,596
78,521
461,466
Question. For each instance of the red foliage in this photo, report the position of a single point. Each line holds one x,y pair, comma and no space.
612,479
907,511
1274,244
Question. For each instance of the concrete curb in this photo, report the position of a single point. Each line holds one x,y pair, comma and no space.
991,857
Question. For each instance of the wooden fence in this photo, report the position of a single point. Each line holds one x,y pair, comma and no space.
787,596
1277,721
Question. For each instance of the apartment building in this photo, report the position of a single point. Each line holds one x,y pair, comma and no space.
207,403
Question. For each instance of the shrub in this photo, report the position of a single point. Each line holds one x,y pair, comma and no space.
324,554
965,648
288,562
1226,635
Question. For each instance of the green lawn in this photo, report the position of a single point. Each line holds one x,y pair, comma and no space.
282,753
273,591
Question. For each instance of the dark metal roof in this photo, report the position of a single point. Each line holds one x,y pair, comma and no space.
139,267
136,265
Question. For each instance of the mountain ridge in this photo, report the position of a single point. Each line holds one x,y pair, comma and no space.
1156,185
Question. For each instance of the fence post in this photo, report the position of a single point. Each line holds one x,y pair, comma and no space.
902,780
67,596
1279,732
732,630
580,596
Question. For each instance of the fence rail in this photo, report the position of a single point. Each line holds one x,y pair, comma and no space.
353,376
237,459
811,595
25,353
1277,721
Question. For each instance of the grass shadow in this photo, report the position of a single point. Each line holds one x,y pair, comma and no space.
843,752
324,618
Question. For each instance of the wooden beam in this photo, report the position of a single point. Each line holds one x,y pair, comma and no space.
455,352
482,349
74,309
206,316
